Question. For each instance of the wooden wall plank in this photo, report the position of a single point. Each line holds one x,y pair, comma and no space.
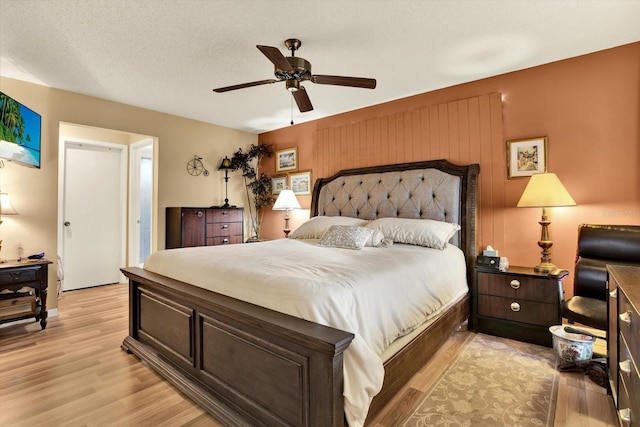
464,131
454,123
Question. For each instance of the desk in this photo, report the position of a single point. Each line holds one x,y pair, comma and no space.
15,275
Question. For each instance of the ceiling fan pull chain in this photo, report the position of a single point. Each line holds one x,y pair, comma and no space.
291,104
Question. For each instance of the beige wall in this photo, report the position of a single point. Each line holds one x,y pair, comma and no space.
34,192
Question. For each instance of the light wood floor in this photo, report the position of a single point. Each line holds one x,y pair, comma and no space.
74,374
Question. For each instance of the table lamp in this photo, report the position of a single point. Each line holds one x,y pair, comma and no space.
5,209
545,190
286,201
226,167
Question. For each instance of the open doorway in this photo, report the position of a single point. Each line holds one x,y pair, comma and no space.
141,201
88,173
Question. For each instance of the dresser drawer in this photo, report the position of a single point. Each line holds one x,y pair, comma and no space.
224,215
629,323
629,387
518,310
518,287
220,229
223,240
23,275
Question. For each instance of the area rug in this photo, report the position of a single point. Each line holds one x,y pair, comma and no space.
493,382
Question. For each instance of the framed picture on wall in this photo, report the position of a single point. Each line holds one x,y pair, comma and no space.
278,183
300,182
526,157
287,160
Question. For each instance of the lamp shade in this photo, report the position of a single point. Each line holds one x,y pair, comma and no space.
545,190
286,200
5,205
226,164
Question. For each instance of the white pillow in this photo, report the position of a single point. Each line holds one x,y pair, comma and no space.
376,239
346,237
422,232
317,226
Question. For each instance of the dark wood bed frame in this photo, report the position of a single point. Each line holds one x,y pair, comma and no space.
248,365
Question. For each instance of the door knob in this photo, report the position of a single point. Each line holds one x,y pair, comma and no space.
67,223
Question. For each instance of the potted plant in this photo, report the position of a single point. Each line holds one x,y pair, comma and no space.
258,186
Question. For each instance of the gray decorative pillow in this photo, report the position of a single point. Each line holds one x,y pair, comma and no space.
346,236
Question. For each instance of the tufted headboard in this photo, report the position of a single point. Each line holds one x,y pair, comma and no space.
434,189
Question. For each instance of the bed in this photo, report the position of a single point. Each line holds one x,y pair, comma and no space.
248,361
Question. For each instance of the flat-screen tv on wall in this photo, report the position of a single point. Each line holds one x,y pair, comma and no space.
20,129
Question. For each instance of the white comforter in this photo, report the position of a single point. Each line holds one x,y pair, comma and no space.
378,294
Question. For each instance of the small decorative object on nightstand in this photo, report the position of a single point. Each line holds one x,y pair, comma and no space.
519,303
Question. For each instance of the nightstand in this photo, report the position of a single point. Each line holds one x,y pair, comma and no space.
15,305
518,303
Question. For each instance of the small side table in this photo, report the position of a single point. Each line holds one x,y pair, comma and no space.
519,303
15,275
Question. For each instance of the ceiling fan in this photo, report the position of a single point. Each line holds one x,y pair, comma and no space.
293,70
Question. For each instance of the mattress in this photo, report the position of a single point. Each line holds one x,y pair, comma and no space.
378,294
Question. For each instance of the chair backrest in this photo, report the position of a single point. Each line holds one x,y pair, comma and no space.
599,245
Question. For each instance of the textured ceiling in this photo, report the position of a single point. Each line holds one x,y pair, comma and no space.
168,55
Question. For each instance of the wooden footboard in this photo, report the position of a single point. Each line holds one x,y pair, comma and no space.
245,364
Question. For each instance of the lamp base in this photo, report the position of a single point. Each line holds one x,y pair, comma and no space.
545,267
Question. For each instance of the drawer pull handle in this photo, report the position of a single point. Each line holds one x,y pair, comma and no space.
625,415
15,275
625,317
225,226
225,213
614,293
515,284
200,214
225,240
515,306
625,366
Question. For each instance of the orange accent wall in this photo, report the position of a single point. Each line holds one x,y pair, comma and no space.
588,107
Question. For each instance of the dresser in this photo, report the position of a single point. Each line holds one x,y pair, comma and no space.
23,287
519,303
187,227
623,350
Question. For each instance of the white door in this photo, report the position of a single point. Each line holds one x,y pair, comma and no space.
92,216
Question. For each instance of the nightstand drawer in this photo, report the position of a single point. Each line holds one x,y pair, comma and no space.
22,275
518,287
17,306
534,313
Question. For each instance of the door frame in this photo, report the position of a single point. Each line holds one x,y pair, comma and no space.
65,141
136,151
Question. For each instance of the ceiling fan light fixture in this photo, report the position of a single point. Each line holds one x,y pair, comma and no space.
293,85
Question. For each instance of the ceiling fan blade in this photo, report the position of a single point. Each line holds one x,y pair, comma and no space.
302,99
344,81
243,85
275,56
